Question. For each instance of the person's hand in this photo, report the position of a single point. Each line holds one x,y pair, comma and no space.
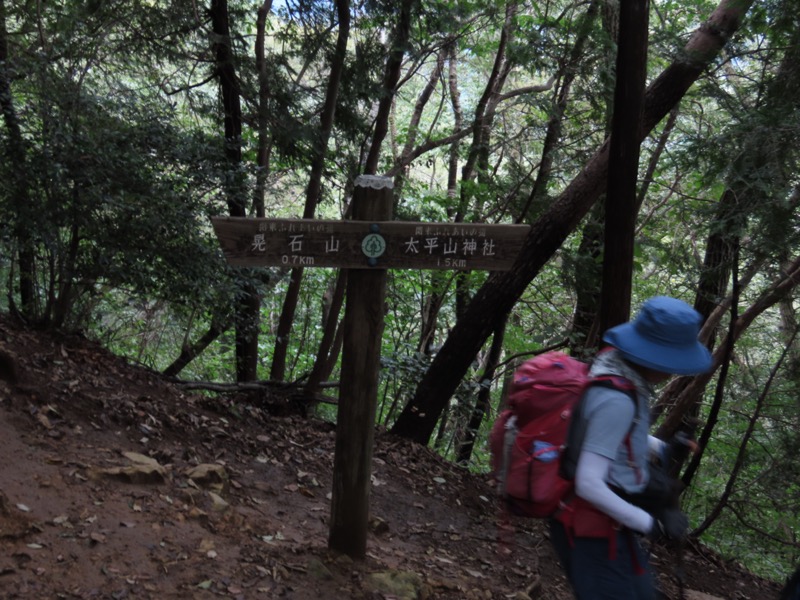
671,524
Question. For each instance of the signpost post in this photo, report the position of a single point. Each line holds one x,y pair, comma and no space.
367,245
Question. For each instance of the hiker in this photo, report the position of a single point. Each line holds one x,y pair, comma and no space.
597,537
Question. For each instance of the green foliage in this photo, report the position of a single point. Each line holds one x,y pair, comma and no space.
759,522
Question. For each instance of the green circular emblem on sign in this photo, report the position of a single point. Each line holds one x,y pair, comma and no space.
373,245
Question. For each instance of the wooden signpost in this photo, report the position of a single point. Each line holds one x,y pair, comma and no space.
248,242
367,245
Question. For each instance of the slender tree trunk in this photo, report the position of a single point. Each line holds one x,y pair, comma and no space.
439,280
284,329
62,305
319,371
713,413
655,157
391,77
588,286
482,123
717,263
483,401
413,124
394,63
458,121
475,164
249,304
231,105
584,335
335,351
711,300
585,330
429,315
16,156
264,138
620,220
556,120
313,190
500,292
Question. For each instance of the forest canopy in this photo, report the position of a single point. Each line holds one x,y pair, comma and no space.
127,125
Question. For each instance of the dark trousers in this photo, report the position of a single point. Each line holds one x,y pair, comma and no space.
593,575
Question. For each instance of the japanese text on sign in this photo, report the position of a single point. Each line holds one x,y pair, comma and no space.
381,244
463,241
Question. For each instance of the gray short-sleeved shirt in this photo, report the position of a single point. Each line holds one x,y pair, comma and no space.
609,415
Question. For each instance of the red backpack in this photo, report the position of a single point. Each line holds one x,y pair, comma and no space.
528,439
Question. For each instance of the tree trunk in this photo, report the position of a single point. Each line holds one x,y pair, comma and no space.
620,213
655,157
249,304
391,77
475,165
231,105
394,63
413,124
482,402
497,296
484,113
716,405
440,281
429,317
585,331
278,368
584,335
715,274
319,372
745,191
555,122
15,153
458,120
264,141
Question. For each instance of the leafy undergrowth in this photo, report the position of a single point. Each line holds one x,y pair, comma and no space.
117,484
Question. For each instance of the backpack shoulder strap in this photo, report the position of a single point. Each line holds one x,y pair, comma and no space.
615,382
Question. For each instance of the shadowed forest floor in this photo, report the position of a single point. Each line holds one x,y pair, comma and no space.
117,484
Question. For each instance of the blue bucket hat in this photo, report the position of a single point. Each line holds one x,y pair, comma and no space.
663,337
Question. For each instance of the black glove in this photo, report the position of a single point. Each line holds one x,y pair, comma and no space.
670,524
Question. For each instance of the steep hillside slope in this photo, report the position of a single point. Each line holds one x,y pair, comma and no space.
116,484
